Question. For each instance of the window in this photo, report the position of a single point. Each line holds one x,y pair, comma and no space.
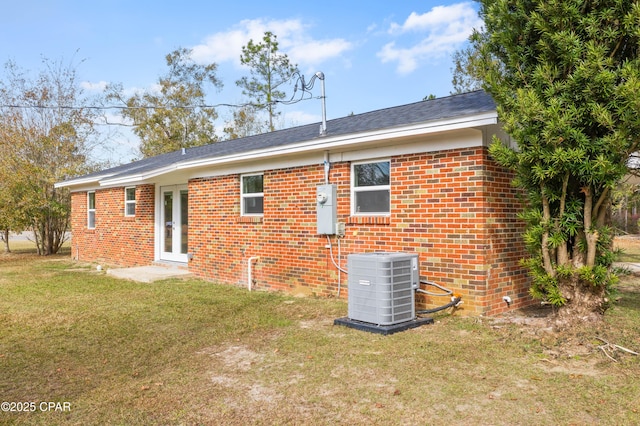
370,188
130,201
91,210
251,195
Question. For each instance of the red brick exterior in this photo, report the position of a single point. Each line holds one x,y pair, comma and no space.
456,208
117,239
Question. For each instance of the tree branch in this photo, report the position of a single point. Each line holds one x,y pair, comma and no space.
546,215
563,196
588,209
591,234
563,250
601,199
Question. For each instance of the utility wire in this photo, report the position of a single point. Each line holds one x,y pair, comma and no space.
305,95
124,107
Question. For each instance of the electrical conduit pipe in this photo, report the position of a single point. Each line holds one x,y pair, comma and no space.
249,271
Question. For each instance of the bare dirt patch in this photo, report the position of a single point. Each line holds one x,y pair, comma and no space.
235,357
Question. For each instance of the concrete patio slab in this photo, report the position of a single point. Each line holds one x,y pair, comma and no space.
148,274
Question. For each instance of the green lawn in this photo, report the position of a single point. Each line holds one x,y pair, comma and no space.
192,352
629,246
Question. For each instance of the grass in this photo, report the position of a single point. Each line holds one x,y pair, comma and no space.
629,245
193,352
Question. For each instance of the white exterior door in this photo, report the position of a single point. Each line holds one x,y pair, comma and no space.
174,223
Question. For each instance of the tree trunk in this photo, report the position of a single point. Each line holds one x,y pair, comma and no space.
36,237
546,256
563,249
5,238
585,302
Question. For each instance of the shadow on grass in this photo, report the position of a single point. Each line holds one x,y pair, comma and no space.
22,252
27,246
629,257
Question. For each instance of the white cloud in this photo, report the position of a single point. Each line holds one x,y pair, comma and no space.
439,18
443,29
299,118
100,86
94,87
154,88
317,51
293,40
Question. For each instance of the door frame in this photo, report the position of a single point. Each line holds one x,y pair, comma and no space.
175,254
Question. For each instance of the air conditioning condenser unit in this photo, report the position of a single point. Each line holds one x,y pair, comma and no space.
382,287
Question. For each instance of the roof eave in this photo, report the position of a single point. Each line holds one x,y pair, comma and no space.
328,142
139,177
317,144
82,181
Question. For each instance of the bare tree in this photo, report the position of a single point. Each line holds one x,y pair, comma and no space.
46,132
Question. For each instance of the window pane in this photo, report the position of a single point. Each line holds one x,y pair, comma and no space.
372,201
184,221
92,220
130,194
253,205
168,221
251,184
130,209
92,200
372,174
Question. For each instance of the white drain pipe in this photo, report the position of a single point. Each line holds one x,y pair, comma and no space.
249,275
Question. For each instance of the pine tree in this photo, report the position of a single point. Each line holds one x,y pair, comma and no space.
269,70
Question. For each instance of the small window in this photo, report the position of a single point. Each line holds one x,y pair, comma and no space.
252,196
130,201
371,188
91,210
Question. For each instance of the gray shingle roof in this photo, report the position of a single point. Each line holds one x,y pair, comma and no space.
471,103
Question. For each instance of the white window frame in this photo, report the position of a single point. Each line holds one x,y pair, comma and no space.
91,210
128,202
244,196
355,190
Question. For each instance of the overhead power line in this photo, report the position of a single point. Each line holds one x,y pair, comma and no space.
124,107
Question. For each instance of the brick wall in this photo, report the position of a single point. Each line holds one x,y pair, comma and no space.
455,208
117,239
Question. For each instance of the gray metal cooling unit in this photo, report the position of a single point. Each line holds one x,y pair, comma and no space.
382,287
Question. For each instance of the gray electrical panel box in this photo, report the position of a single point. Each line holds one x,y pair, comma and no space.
326,211
382,287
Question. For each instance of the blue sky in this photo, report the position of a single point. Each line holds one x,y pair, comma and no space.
374,54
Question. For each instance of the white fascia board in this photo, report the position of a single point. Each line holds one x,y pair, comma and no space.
457,139
137,178
319,144
81,182
327,143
